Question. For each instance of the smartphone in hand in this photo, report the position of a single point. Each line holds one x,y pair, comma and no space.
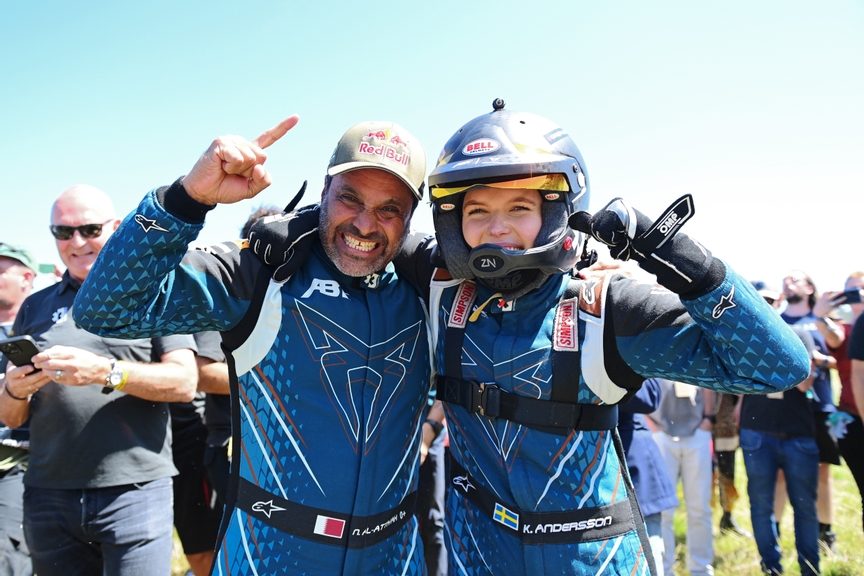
19,350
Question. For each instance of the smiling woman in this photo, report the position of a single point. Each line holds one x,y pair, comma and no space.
510,219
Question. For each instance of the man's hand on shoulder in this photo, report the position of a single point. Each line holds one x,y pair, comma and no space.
232,168
284,240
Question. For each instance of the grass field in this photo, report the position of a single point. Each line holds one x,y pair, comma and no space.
736,556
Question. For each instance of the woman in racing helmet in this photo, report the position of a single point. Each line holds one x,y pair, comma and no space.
528,496
532,360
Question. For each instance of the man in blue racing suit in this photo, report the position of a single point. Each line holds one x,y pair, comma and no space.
532,361
329,386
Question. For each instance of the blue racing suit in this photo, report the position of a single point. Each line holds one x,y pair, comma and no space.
330,376
527,501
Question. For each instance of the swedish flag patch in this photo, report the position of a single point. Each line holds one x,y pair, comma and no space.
506,517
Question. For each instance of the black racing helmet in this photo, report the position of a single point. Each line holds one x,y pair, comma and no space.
518,150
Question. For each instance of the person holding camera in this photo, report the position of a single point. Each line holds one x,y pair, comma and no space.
848,427
804,308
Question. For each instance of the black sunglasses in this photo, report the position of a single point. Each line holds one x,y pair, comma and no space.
86,230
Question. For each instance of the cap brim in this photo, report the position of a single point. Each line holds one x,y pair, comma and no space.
769,294
350,166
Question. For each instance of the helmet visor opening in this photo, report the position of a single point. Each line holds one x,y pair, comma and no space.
552,182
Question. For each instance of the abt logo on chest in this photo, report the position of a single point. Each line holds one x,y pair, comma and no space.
325,287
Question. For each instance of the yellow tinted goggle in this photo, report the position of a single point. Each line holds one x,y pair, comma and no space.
554,182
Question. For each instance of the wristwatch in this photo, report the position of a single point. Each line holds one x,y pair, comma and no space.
116,378
710,417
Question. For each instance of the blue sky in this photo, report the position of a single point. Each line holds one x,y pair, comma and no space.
754,107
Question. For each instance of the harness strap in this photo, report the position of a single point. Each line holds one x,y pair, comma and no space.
572,526
491,401
567,361
642,531
319,525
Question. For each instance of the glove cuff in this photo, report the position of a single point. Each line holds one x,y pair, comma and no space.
685,267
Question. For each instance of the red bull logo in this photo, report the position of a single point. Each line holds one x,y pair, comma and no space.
376,135
397,140
384,151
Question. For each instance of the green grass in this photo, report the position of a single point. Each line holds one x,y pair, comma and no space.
179,566
736,556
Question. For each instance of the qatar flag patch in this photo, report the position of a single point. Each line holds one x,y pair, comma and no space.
327,526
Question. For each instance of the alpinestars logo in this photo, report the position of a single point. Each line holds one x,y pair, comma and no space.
266,508
147,224
725,304
463,482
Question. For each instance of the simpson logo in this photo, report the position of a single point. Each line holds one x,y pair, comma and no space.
566,331
480,146
462,305
327,526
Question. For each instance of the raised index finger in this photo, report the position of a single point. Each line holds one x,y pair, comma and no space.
275,133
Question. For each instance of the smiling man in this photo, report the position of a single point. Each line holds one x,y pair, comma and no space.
328,385
100,446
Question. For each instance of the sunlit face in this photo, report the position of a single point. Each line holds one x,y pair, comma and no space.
16,280
79,253
510,218
797,287
364,220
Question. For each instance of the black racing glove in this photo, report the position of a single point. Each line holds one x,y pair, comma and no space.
284,240
680,264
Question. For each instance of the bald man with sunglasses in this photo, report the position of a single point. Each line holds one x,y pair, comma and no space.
98,495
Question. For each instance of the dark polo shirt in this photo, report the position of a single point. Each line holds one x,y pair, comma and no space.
80,437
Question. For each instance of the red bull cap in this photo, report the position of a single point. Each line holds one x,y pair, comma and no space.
383,145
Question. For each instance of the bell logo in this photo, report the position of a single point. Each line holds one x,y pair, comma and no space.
480,146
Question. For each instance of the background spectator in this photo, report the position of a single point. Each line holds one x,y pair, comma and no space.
655,490
17,270
683,421
801,297
98,487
